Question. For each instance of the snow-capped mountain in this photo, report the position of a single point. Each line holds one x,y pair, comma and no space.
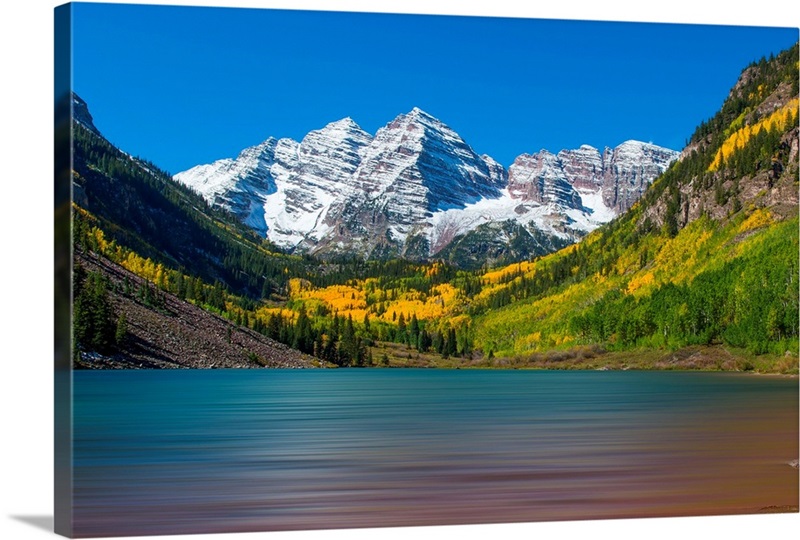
283,188
555,199
417,186
414,168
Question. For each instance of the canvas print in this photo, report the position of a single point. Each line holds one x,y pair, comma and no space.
324,270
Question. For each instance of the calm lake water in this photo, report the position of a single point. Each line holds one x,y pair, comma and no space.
159,452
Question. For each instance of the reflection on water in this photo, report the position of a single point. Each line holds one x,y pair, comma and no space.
217,451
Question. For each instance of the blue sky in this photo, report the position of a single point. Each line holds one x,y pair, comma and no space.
182,86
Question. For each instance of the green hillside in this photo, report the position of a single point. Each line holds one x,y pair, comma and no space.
141,209
710,255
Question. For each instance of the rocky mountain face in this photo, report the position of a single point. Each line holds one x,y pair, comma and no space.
627,171
620,175
541,178
414,168
417,186
80,112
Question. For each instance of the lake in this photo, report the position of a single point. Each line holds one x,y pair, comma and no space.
174,452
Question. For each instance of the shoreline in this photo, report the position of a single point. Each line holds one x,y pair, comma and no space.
709,359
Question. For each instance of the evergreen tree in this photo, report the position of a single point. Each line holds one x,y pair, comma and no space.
451,345
121,331
401,329
413,330
423,341
367,330
94,324
274,323
348,348
303,339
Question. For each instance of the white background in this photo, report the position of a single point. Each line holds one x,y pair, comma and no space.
26,148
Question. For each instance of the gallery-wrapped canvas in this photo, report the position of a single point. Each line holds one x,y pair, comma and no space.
339,270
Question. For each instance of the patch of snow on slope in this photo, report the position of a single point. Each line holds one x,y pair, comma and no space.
593,200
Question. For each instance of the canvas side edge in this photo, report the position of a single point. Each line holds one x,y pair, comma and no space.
63,433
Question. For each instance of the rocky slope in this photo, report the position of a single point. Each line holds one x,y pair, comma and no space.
628,170
179,335
417,186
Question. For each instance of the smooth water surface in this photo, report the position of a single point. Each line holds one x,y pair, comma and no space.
160,452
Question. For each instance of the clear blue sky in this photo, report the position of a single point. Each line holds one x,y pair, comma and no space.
182,86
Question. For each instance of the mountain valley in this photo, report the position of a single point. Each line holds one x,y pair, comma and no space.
691,259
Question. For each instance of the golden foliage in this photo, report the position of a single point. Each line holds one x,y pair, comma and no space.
441,301
266,312
738,139
297,285
434,269
346,300
497,276
640,281
677,259
145,268
760,218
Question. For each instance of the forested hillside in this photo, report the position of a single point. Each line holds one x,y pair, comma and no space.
710,255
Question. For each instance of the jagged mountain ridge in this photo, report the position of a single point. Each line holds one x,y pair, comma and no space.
416,186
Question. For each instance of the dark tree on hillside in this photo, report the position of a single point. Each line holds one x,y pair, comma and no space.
303,334
94,323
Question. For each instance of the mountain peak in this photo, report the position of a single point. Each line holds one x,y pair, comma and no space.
262,148
418,115
337,132
544,152
418,120
80,111
346,123
632,143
